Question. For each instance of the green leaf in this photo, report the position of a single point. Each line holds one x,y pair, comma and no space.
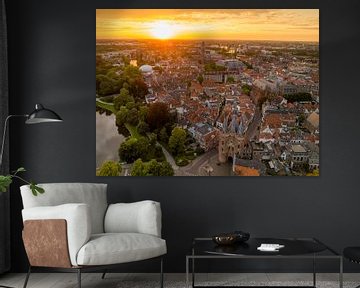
36,189
20,169
5,182
39,189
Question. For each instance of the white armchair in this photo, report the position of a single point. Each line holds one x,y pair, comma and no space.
72,228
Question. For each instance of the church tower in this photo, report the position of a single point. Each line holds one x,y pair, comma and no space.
232,139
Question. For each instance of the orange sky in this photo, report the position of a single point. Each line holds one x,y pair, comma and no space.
217,24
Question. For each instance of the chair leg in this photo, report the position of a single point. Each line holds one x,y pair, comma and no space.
103,275
161,273
79,277
27,277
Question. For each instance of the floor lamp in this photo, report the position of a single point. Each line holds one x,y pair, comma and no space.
39,115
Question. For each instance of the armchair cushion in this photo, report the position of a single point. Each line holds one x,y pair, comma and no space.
92,194
78,221
113,248
138,217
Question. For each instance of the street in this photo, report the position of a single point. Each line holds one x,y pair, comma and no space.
252,132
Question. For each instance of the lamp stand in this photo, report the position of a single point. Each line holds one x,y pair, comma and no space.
4,134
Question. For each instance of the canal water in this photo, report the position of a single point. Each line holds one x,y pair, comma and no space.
107,139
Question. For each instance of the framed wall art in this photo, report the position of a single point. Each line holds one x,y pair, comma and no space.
207,92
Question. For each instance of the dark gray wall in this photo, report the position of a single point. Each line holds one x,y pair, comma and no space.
52,61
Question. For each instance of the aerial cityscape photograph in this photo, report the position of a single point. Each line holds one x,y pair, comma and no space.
207,92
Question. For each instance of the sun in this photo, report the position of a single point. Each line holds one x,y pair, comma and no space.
162,30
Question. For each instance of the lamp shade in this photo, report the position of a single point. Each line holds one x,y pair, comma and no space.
42,115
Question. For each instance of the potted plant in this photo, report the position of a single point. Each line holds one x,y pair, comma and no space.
6,180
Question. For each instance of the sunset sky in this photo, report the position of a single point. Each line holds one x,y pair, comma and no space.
221,24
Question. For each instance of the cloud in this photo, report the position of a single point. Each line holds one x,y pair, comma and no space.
218,21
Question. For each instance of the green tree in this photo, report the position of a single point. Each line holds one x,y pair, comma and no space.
138,168
131,72
122,99
113,74
133,117
315,173
109,168
99,79
133,149
301,119
121,116
122,130
131,79
159,155
152,139
151,168
163,136
143,111
109,83
166,169
105,85
126,86
130,105
143,128
246,89
138,89
177,141
230,80
158,115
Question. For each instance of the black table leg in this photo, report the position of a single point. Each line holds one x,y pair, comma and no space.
341,273
314,271
79,277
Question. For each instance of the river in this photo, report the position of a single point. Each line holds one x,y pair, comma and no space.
107,139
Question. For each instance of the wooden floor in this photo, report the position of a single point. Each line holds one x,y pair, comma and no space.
115,280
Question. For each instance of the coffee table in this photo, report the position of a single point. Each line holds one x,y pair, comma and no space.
294,248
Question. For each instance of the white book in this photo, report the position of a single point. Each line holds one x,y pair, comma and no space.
270,247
